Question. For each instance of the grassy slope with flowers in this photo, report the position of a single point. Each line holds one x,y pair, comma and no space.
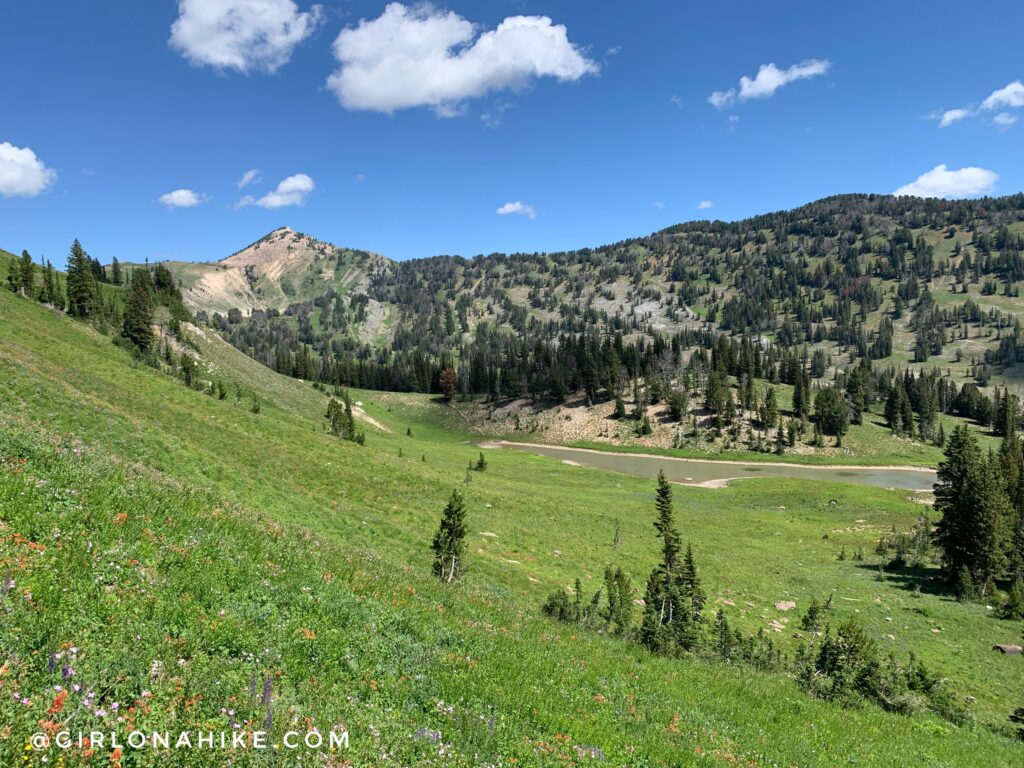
171,553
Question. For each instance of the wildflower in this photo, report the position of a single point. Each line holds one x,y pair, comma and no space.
427,734
58,702
265,699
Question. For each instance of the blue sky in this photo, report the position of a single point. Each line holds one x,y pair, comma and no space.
594,126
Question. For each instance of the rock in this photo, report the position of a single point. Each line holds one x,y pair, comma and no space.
785,605
1007,649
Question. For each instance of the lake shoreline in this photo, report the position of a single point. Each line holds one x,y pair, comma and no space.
733,462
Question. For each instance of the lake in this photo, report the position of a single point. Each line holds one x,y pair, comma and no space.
711,473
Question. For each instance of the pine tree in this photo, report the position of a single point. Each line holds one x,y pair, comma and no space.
115,272
673,599
691,585
723,635
975,532
1006,414
831,413
449,542
137,325
952,500
620,408
619,588
27,275
665,524
83,289
990,528
771,408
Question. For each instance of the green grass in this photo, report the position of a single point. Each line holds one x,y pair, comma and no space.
234,518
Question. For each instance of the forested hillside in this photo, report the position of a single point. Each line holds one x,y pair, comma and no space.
890,299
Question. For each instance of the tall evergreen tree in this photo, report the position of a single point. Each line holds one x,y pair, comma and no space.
83,289
831,413
673,598
665,524
952,500
449,541
975,532
27,275
771,408
137,325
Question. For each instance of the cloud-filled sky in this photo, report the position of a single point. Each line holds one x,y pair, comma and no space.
188,129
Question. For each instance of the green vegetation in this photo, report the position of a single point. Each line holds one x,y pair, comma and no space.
151,522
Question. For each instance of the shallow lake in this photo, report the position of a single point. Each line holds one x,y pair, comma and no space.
714,473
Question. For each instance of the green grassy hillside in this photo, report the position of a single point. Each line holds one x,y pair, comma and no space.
191,550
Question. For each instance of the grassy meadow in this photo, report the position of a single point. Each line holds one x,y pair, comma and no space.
201,565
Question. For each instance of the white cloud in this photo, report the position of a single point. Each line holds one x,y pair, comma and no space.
722,99
249,177
291,191
1011,96
767,81
494,117
22,174
243,35
676,101
423,56
182,198
1004,120
518,207
942,182
703,205
950,116
658,204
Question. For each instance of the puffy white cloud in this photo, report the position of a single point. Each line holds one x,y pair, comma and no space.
182,198
767,81
1004,120
703,205
1011,96
244,35
943,182
22,174
950,116
423,56
249,177
291,191
518,207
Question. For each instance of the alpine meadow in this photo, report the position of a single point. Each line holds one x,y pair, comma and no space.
737,487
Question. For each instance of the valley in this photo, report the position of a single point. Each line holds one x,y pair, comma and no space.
760,542
219,505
